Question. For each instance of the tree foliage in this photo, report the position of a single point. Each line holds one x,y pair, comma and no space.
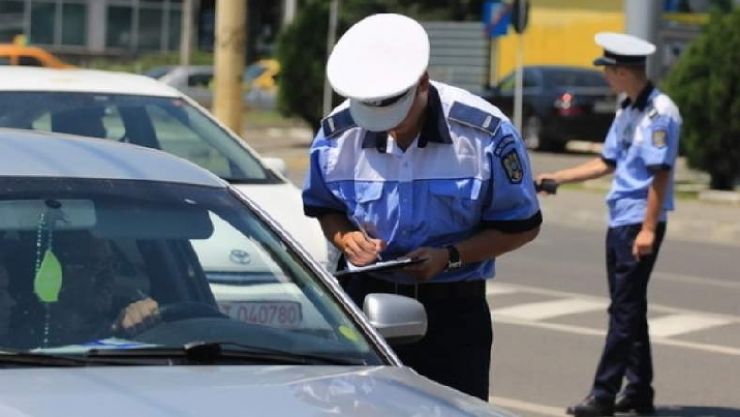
302,45
705,84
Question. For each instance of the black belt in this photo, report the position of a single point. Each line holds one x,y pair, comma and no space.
428,290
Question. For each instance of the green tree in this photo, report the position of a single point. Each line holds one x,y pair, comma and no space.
302,53
705,84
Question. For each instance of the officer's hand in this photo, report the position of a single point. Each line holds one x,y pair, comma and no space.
360,249
137,317
643,245
435,261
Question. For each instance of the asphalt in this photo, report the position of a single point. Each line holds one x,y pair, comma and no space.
710,217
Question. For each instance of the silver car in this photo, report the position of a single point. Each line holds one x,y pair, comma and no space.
90,227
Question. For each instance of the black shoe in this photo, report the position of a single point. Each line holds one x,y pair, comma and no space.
627,404
592,407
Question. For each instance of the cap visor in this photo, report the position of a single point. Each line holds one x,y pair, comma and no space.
381,119
602,60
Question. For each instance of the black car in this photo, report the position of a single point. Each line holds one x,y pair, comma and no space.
560,104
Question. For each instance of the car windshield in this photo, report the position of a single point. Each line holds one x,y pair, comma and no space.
574,78
169,124
75,254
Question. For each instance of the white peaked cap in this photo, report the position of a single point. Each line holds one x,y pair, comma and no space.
377,64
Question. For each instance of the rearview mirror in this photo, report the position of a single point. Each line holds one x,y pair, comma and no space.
398,319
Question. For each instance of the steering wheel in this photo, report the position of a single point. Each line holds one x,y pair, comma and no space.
168,313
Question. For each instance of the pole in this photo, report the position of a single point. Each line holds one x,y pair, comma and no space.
518,86
289,11
186,34
330,40
229,52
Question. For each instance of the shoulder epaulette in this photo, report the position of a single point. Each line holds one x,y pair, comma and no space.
653,113
474,117
337,123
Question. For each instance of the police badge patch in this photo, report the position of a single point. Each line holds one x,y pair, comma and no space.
513,167
659,138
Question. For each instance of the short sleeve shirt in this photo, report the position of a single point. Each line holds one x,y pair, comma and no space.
642,139
468,169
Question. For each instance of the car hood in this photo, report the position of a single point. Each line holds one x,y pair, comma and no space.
265,391
283,202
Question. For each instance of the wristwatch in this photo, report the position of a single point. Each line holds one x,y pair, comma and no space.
454,261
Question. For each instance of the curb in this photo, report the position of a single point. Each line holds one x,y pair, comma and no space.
716,196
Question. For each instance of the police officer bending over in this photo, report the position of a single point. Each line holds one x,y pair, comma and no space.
640,149
409,166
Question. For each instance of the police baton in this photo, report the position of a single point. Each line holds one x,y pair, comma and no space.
547,185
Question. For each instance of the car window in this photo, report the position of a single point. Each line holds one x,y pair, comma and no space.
177,137
200,80
75,253
170,124
530,80
29,61
574,78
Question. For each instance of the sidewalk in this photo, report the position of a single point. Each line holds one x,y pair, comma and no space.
698,220
693,220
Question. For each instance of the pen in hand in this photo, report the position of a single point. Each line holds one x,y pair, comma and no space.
367,237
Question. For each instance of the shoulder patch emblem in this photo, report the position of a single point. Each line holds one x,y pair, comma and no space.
659,138
337,123
474,117
512,164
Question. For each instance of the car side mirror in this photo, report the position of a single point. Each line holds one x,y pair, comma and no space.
276,165
398,319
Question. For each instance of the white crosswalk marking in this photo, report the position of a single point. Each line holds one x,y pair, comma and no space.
669,323
500,289
676,324
549,309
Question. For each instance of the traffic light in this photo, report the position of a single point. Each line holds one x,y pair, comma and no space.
519,15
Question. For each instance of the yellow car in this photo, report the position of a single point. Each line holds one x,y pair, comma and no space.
14,54
262,74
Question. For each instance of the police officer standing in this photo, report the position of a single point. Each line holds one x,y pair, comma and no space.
412,167
640,149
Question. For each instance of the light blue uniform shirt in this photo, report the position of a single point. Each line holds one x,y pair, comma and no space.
467,170
643,138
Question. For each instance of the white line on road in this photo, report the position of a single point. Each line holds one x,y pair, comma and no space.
566,328
550,309
564,294
689,279
676,324
526,406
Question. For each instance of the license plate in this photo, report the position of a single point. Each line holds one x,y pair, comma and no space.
604,107
267,313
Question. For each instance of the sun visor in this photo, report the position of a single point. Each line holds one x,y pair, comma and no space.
152,222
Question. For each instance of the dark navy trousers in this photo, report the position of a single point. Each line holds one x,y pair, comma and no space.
627,349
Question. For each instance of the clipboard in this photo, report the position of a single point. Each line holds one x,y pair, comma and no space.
380,266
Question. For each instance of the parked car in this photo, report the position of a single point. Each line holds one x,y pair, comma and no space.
259,80
87,225
139,110
559,104
33,56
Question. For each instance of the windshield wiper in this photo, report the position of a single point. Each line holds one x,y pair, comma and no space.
214,352
21,358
